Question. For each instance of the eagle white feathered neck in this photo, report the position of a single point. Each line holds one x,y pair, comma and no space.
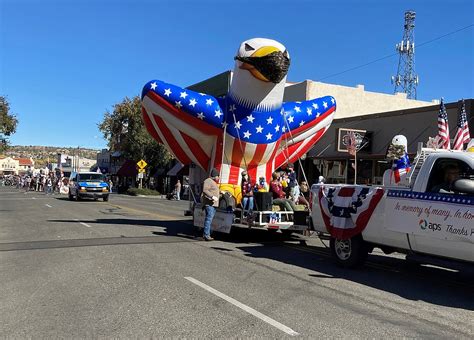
255,94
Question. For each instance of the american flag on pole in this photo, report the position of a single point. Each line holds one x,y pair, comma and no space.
443,128
462,132
346,210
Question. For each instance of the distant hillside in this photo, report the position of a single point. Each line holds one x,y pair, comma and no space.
40,154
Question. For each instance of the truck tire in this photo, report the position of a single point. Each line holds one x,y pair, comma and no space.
105,198
349,253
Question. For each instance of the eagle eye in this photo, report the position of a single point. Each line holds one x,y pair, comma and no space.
248,47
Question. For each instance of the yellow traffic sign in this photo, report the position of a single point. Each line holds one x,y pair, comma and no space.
142,164
141,171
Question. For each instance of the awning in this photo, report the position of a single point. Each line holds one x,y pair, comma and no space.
174,170
128,169
159,172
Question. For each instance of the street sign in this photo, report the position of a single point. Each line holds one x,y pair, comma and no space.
142,164
141,171
140,175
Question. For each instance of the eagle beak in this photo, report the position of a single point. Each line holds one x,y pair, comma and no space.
267,64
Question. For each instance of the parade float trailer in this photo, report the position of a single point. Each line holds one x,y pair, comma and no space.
248,129
230,215
430,227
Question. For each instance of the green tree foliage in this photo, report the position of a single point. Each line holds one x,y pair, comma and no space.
124,130
8,123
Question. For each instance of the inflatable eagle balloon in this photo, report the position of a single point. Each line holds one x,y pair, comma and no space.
250,128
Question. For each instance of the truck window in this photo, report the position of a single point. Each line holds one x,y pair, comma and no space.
445,171
95,177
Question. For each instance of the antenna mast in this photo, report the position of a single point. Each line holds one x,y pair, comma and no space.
406,80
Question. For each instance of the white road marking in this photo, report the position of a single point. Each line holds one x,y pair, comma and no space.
84,224
49,206
246,308
33,198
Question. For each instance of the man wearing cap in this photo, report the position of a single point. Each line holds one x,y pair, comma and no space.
210,201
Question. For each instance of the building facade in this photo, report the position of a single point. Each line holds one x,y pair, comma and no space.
67,163
330,158
9,166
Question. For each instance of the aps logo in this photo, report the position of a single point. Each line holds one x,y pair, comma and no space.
424,224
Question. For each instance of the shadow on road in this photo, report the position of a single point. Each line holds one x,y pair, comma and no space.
390,274
387,273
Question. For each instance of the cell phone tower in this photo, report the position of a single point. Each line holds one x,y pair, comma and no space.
406,80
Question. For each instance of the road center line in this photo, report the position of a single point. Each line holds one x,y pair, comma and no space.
48,205
246,308
84,224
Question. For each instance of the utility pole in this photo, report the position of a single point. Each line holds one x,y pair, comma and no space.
406,80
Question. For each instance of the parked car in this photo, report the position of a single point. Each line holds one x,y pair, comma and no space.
88,184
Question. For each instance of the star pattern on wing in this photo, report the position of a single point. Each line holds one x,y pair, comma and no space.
258,127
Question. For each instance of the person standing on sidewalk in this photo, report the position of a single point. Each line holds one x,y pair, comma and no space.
49,185
210,201
177,189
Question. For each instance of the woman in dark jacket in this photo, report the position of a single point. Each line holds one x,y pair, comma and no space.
247,193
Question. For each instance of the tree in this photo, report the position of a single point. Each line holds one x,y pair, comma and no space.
124,130
8,123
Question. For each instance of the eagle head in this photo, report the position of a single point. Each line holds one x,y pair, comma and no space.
266,59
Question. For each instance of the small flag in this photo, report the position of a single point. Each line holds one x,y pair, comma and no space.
401,167
443,128
351,143
462,131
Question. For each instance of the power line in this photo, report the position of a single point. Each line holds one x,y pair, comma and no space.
396,53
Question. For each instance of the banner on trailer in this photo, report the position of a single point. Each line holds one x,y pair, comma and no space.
441,216
222,221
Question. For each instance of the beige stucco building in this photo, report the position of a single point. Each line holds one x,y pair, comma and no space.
352,101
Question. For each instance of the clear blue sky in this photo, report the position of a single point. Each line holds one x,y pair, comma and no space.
64,63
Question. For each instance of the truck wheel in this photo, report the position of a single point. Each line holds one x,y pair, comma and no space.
349,253
106,198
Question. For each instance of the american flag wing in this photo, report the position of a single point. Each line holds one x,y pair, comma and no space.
346,210
186,122
305,123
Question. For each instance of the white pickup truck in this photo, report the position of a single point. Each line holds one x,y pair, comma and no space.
419,218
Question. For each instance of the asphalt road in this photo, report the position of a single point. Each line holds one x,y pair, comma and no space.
132,267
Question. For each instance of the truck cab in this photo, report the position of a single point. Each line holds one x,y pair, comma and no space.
88,184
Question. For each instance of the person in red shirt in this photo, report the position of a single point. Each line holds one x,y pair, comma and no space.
279,195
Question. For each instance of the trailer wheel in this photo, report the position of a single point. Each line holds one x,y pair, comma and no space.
349,253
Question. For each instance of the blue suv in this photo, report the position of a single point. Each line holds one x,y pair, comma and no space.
88,184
